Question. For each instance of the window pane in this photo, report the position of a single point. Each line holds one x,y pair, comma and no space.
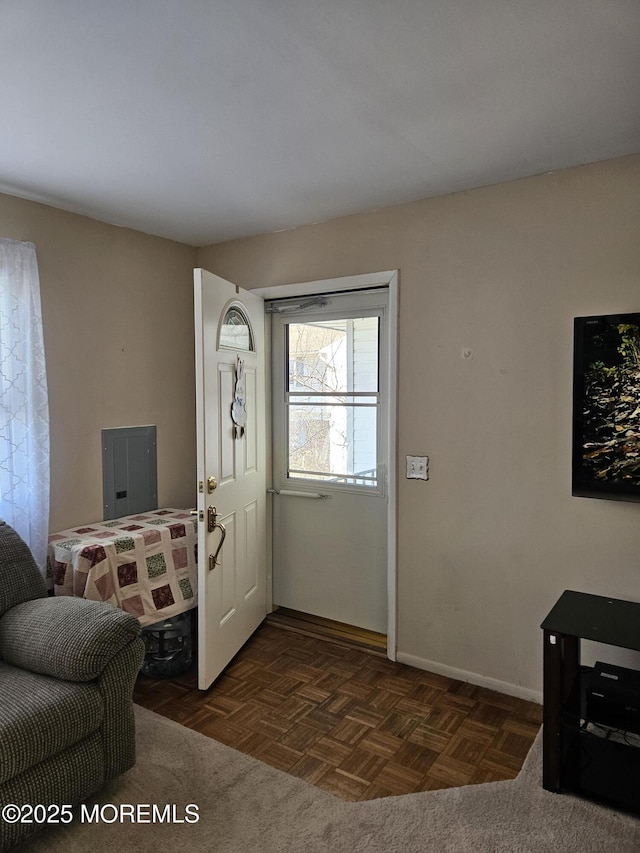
235,331
333,443
333,355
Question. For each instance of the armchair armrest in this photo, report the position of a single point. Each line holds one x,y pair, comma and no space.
67,638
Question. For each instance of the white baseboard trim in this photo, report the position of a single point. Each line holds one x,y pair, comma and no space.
471,678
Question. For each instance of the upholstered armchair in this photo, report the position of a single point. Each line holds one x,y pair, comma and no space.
67,669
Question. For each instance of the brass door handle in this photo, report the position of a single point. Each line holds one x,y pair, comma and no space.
213,558
212,524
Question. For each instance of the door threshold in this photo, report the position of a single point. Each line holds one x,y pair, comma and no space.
328,629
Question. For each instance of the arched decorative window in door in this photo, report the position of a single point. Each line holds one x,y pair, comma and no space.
235,329
235,333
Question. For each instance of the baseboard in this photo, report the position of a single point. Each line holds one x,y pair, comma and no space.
471,678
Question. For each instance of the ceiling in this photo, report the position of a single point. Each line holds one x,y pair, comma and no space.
205,120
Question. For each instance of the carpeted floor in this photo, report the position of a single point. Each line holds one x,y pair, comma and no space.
245,806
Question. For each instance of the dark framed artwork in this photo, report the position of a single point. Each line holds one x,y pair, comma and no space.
606,407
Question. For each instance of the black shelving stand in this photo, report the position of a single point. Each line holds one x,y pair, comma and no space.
575,759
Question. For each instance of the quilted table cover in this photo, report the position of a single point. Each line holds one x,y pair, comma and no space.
145,564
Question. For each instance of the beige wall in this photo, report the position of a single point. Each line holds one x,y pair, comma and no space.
488,544
117,311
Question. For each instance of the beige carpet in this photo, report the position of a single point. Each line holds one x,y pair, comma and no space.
245,806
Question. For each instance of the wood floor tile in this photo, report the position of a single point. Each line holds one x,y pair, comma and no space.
425,735
381,743
451,771
253,743
314,694
400,725
463,704
466,749
416,757
341,784
479,732
248,715
490,715
516,745
398,779
280,756
395,684
366,716
320,720
444,720
488,773
496,759
329,750
525,728
363,765
310,769
349,731
348,720
356,689
300,737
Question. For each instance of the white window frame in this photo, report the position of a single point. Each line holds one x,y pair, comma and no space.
342,307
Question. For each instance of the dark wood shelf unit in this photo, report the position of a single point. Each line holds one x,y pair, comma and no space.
575,759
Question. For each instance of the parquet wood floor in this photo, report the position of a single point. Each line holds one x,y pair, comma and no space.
348,720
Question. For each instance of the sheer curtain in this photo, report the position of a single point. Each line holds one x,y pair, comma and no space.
24,408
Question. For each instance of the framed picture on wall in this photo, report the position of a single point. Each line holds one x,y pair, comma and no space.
606,407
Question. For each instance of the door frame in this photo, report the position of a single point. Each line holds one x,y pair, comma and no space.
389,279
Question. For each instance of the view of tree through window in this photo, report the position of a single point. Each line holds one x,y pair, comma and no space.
333,400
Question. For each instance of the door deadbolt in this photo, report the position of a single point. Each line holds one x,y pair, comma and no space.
212,484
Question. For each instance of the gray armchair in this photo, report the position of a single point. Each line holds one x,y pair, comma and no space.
67,669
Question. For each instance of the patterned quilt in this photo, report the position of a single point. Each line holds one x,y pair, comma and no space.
145,564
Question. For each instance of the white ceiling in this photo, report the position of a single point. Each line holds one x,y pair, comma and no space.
204,120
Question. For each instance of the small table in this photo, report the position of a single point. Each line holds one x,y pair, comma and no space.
573,759
145,564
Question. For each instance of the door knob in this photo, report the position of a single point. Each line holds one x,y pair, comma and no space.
212,484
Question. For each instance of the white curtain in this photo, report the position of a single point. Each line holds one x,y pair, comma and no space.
24,408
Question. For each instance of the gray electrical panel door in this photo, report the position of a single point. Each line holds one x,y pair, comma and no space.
129,471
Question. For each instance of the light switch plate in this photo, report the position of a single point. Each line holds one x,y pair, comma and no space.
417,467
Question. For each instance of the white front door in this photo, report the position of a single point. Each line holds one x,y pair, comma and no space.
330,454
231,470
